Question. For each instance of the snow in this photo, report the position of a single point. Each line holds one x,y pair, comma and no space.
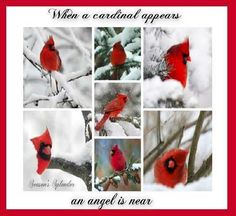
117,178
136,166
119,128
199,86
203,184
131,149
104,93
155,89
130,39
130,129
74,46
68,142
101,70
170,123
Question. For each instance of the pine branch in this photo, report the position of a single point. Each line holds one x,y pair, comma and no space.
131,173
105,72
193,150
82,171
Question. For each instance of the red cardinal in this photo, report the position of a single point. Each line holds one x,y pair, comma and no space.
176,59
118,55
118,161
117,58
170,169
43,145
112,109
49,56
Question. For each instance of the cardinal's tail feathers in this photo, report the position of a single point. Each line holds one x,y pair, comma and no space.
102,121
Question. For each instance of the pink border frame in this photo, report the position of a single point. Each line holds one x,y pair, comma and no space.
231,210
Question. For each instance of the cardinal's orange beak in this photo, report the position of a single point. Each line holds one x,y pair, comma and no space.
188,58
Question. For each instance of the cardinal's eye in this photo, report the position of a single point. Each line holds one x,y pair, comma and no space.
51,47
112,152
43,144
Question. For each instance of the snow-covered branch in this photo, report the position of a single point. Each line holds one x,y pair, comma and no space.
82,171
130,39
107,70
35,98
61,79
133,120
87,119
130,174
121,126
34,60
78,74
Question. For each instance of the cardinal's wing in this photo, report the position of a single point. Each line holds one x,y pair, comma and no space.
114,105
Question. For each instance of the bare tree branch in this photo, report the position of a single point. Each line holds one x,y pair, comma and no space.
190,140
158,150
193,150
180,137
88,131
82,171
158,127
204,170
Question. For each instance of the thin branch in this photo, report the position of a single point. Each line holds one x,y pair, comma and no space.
77,75
193,150
82,171
204,170
88,131
157,151
132,120
180,137
158,128
34,60
190,139
130,173
61,79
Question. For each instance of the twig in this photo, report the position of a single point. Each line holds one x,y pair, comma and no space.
157,151
158,127
88,131
80,46
77,75
180,137
82,171
193,150
189,140
204,170
60,78
132,120
105,71
34,60
130,173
